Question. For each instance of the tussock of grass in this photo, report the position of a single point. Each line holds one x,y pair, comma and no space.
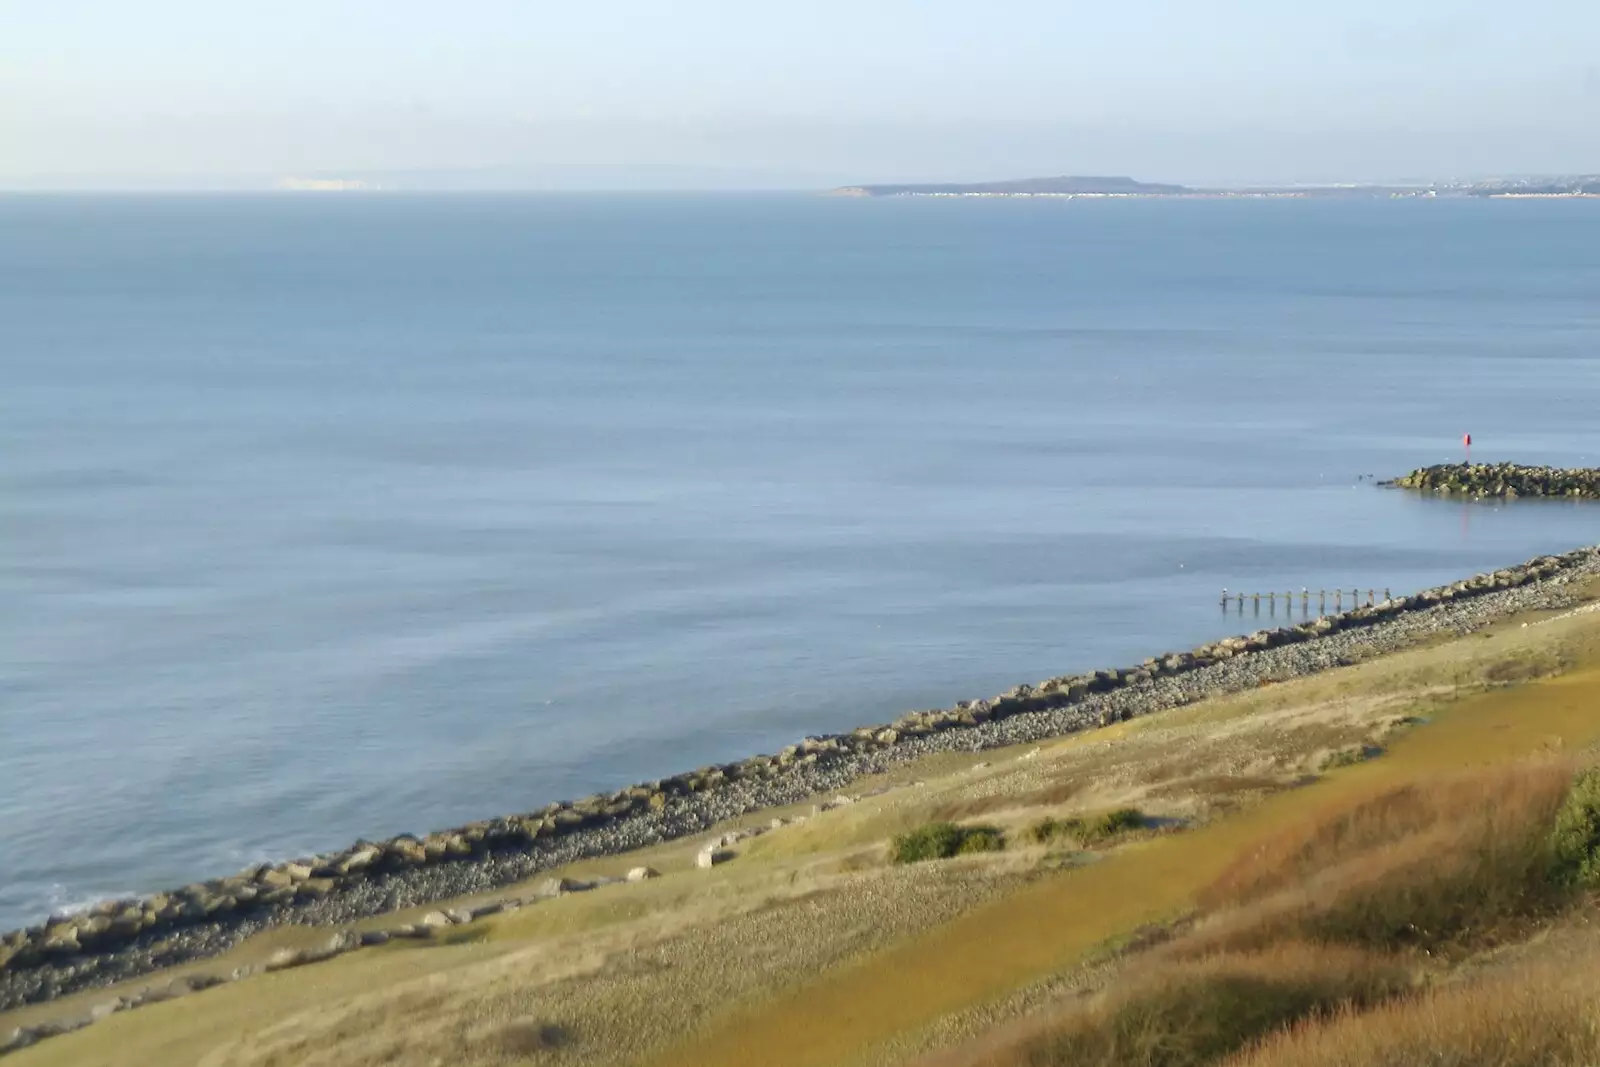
941,840
1093,830
1434,865
1186,1014
1517,669
532,1038
1349,756
1539,1018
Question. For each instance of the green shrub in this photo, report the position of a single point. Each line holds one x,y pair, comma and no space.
1091,831
1112,824
981,839
941,840
1575,841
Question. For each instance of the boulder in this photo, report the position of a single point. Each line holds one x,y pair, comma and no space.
336,945
314,889
405,852
711,856
16,1040
275,879
283,959
642,874
57,1027
62,941
358,860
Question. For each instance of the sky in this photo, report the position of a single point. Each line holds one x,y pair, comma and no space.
747,93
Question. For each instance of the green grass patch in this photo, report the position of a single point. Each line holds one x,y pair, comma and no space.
941,840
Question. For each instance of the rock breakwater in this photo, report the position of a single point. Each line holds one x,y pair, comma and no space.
1504,480
120,939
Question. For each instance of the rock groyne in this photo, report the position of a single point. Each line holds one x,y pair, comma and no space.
1503,480
120,939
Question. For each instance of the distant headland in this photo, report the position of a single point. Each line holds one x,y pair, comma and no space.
1076,186
1062,186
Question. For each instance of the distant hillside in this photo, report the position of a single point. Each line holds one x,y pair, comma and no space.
1060,186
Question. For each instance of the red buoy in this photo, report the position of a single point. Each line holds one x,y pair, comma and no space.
1466,440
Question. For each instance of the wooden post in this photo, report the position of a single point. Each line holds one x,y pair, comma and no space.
1322,601
1224,598
1255,599
1386,595
1338,600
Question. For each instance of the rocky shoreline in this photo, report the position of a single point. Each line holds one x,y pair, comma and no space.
1503,480
123,939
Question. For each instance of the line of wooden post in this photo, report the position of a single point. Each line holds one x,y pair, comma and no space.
1305,600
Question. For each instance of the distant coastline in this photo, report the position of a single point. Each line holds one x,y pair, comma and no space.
1073,187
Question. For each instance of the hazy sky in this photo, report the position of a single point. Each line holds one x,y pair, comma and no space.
669,92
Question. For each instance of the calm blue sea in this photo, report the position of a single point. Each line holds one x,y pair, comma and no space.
332,517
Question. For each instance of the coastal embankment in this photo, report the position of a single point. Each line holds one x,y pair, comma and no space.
1502,480
121,939
690,950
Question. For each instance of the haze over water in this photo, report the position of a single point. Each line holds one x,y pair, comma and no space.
338,517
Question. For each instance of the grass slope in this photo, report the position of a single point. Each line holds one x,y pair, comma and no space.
812,947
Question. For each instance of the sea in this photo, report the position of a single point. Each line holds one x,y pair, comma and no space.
338,516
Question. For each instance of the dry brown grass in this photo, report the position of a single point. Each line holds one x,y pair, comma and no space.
1438,865
1542,1017
1048,796
1526,667
1182,1014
